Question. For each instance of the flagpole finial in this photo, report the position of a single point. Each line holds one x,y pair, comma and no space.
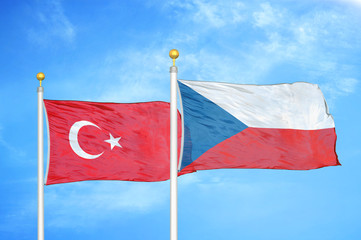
40,76
173,54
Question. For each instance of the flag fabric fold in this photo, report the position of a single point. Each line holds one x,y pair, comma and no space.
282,126
108,141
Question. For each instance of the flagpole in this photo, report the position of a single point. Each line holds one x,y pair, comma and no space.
40,76
173,148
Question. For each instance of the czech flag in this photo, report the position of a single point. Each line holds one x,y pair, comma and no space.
282,126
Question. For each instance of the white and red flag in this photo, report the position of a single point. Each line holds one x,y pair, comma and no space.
108,141
282,126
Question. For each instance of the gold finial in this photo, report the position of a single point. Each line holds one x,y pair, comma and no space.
40,76
173,54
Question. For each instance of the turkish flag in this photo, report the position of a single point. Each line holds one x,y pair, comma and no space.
108,141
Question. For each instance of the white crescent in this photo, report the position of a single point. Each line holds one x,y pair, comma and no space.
73,139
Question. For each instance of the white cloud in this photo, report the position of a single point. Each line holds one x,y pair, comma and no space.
268,16
52,24
187,180
87,203
311,42
353,2
348,85
13,151
284,37
207,65
218,15
215,14
132,76
237,197
121,75
337,87
18,213
306,41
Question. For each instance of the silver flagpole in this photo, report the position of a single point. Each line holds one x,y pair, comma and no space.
173,148
40,76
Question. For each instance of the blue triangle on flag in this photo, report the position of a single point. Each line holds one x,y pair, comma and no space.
205,124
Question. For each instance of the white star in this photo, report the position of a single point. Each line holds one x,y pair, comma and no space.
113,141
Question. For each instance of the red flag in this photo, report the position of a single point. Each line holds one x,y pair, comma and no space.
108,141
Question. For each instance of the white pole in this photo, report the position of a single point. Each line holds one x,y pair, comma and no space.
40,77
173,148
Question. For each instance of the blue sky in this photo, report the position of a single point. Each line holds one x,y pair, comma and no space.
118,51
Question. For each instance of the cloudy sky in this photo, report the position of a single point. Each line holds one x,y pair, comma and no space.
117,51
